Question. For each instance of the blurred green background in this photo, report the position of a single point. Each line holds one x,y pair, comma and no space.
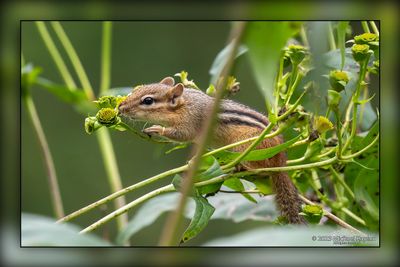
71,156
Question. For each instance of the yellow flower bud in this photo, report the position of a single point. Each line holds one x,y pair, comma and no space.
338,80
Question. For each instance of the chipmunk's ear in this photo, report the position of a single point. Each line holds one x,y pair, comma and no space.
168,81
174,94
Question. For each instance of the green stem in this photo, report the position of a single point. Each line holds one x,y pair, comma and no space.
110,164
294,77
250,147
374,28
55,54
290,168
48,159
123,192
293,107
125,208
331,37
365,27
342,182
347,157
106,57
356,95
338,133
303,36
80,71
352,215
154,193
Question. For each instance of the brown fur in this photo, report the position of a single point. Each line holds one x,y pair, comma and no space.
182,114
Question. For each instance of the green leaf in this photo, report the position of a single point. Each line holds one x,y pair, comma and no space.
212,169
262,183
148,214
341,35
365,186
237,185
221,59
258,154
265,41
202,215
29,75
62,92
38,230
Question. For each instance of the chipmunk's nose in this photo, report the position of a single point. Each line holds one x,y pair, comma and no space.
123,107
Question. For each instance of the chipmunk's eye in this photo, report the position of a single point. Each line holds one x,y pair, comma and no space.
148,101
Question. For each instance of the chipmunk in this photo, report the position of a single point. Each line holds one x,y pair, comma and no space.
179,114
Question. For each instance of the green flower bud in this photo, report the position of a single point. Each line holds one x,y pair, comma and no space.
322,124
232,86
297,53
360,52
109,101
183,75
210,90
91,125
368,38
338,80
333,99
312,213
107,116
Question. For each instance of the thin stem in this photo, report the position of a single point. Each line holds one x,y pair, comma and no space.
352,215
295,161
293,107
48,159
356,95
365,27
80,71
338,133
333,217
362,150
331,37
123,192
124,209
169,234
290,168
341,181
164,189
374,28
106,57
62,68
303,36
250,147
294,76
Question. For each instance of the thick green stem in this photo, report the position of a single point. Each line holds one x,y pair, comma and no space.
365,27
80,71
106,57
48,159
110,164
352,215
303,36
374,28
338,133
62,68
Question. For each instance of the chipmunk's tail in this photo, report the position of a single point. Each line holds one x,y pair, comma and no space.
287,198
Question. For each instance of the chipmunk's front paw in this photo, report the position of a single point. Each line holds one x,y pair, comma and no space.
154,130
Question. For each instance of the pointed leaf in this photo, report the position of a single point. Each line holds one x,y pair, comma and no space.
200,219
